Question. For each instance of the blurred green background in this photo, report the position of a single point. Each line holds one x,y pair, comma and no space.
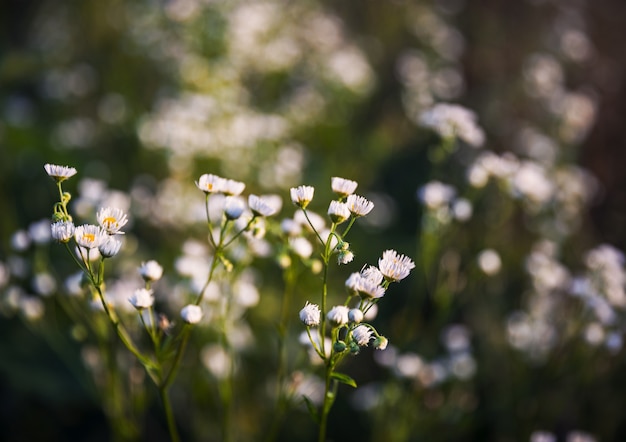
146,96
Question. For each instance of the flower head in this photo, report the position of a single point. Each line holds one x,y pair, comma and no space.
232,187
380,343
62,231
342,186
358,205
302,195
362,335
260,207
210,183
110,247
141,299
59,173
345,257
310,315
90,236
111,219
364,287
191,314
233,207
338,212
338,315
394,266
355,315
151,271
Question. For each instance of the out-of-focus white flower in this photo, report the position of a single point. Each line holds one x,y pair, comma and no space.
395,266
338,315
302,195
362,335
232,187
355,315
345,257
358,205
31,307
338,212
110,247
343,187
233,207
216,360
111,219
90,236
290,227
364,287
62,231
462,209
44,284
59,173
451,120
310,315
260,207
151,271
301,247
191,314
489,261
39,231
435,194
316,221
142,299
542,436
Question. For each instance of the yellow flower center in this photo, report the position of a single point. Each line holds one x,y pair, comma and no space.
90,237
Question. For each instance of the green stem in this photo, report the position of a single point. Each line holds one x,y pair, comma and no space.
169,415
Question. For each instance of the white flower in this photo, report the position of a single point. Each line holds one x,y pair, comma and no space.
364,287
435,194
63,231
151,271
489,261
111,219
342,186
338,315
394,266
362,335
141,299
372,274
191,314
345,257
210,183
355,315
310,315
260,207
301,247
110,247
358,205
90,236
462,209
302,195
233,207
59,173
232,187
451,120
338,212
380,343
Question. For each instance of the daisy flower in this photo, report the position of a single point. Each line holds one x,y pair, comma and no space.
110,247
302,195
90,236
259,206
210,183
191,314
310,315
394,266
338,315
141,299
342,186
358,205
62,231
112,220
59,173
151,271
338,212
362,335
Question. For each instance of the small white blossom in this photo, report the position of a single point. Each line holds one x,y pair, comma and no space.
358,205
451,120
232,187
380,343
338,315
110,247
310,315
191,314
338,212
342,186
394,266
111,219
62,231
435,194
489,261
372,274
141,299
302,195
59,173
90,236
345,257
233,207
362,335
260,207
151,271
355,315
210,183
301,247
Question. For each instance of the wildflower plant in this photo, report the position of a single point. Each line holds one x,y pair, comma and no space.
337,332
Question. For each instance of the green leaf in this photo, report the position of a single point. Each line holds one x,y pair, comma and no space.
312,409
344,379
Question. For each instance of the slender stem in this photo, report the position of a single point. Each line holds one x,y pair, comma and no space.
169,415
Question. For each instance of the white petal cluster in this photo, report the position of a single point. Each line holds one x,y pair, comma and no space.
362,335
260,207
110,247
62,231
302,195
358,205
90,236
142,299
234,207
310,315
338,315
210,183
343,187
191,314
394,266
112,219
451,120
151,271
59,173
338,212
364,287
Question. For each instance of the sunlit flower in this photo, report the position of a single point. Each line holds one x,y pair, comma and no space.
301,247
111,219
151,271
110,247
191,314
338,212
345,257
338,315
358,205
59,173
302,195
394,266
142,298
310,315
90,236
380,343
373,274
342,186
451,120
210,183
62,231
362,335
355,315
232,187
259,206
